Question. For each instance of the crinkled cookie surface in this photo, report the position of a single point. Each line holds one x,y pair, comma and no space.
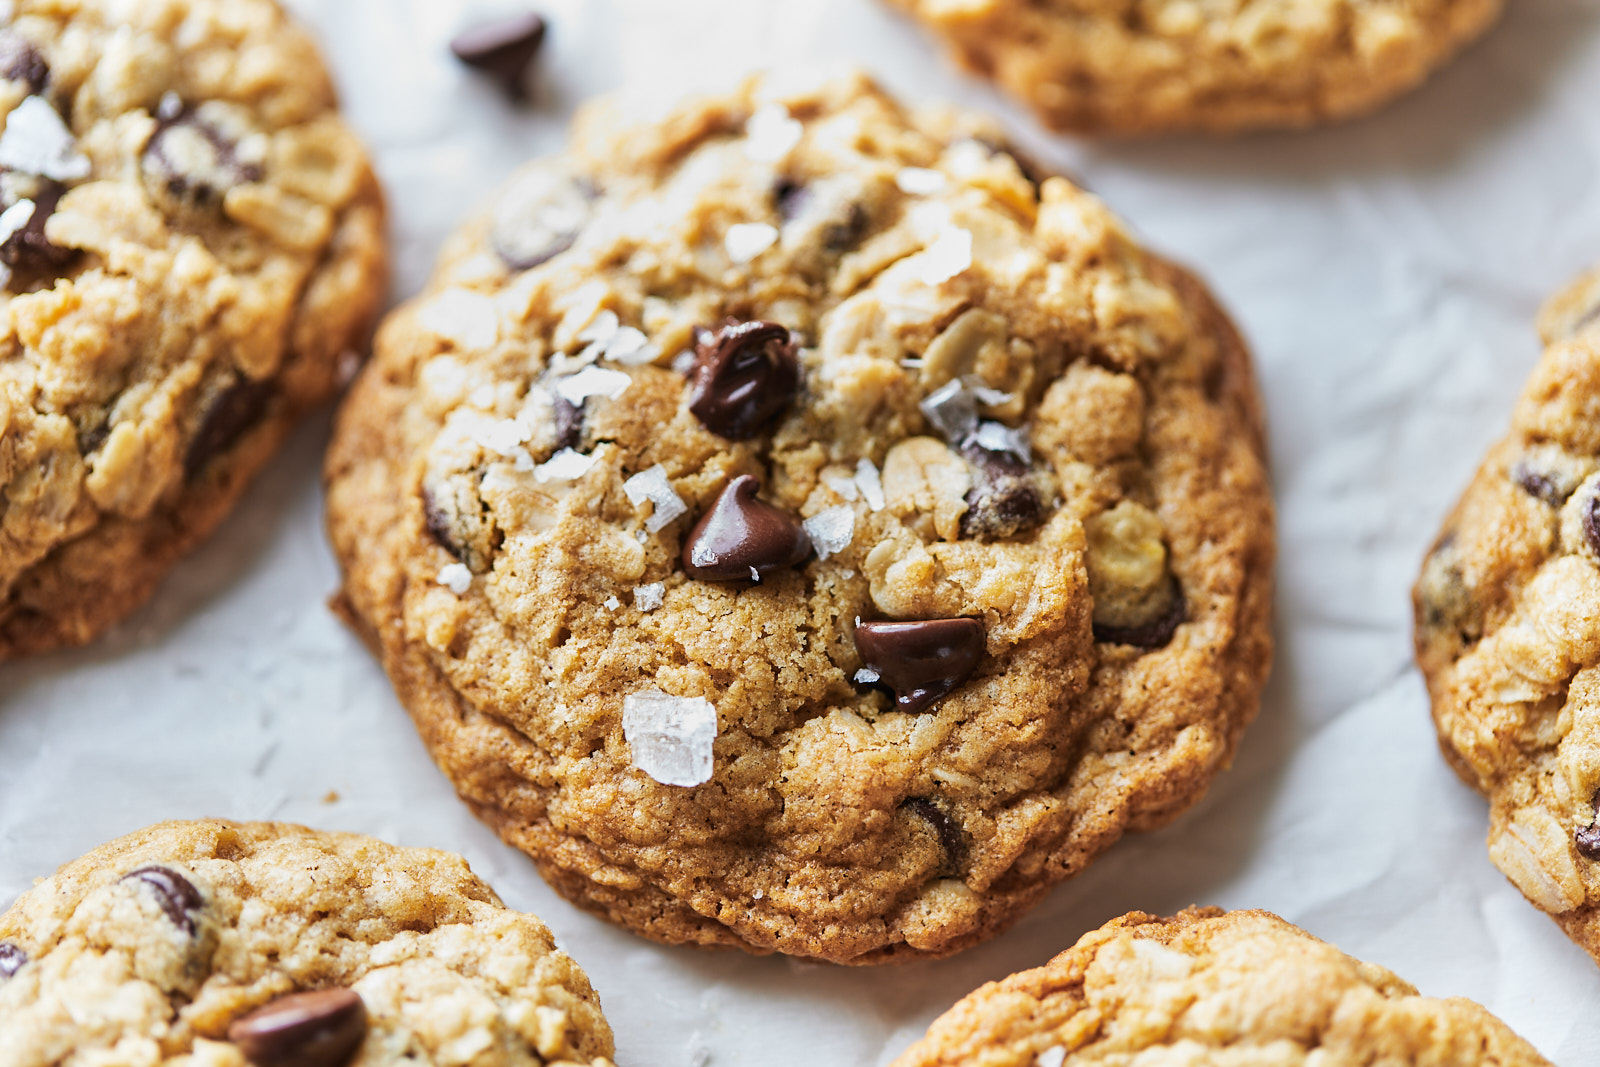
190,240
1508,626
1208,988
796,528
192,943
1143,66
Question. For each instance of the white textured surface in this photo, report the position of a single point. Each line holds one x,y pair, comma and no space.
1386,273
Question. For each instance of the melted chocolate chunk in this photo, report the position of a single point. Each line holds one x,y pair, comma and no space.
1003,501
11,959
743,537
1588,841
923,662
195,161
1591,521
177,896
232,413
321,1029
569,423
1153,634
745,375
28,249
951,837
21,62
504,50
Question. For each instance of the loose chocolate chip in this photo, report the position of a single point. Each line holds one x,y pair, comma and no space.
1591,521
743,537
27,249
320,1029
744,376
1003,500
569,423
177,896
540,216
923,662
21,62
232,412
505,50
951,838
195,161
11,959
1153,634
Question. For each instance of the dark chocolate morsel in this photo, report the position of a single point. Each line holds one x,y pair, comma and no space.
1591,521
923,662
321,1029
1588,837
195,161
791,198
743,537
27,249
440,528
11,959
1003,500
1153,634
504,49
744,376
232,412
951,838
176,894
21,62
1536,484
569,423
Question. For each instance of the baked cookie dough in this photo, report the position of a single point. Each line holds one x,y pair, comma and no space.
1508,627
190,241
1147,66
217,944
1208,987
797,530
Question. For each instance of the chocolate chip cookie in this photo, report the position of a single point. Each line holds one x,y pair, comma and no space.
228,943
1508,627
797,529
190,241
1212,987
1145,66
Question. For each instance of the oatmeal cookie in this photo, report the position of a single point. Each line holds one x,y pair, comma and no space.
1238,988
797,530
224,944
190,239
1146,66
1508,627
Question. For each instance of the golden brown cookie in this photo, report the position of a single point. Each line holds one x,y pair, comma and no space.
219,943
798,530
1208,988
190,240
1508,626
1145,66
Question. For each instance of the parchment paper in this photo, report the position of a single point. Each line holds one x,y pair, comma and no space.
1386,272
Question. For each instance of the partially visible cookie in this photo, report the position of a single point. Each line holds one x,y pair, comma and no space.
1208,988
190,242
1145,66
218,943
798,529
1508,626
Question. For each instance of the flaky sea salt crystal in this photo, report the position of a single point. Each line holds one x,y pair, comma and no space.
832,529
747,240
649,597
952,410
592,381
998,437
462,316
845,487
1054,1056
455,577
919,181
771,134
866,676
601,329
652,485
15,218
565,466
630,347
671,737
871,483
612,603
948,256
36,141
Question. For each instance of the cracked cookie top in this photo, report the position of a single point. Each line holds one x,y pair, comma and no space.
1238,988
796,527
189,239
1508,626
1144,66
222,944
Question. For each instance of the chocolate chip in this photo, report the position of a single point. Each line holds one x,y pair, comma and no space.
791,198
11,959
21,62
176,895
193,160
951,838
744,376
1591,521
569,423
27,249
540,216
1588,837
321,1029
1536,484
1153,634
1004,501
231,413
504,49
923,662
743,537
839,223
1031,170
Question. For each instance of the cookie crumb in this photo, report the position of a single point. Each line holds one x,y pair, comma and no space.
331,797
